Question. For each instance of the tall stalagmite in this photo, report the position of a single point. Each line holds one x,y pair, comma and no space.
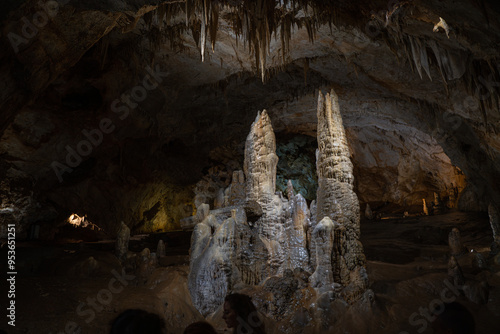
260,171
335,196
261,161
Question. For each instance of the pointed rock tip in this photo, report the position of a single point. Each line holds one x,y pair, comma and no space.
326,221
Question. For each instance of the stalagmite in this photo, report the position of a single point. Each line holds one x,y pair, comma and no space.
494,222
296,225
221,259
201,212
335,196
210,265
455,243
237,192
479,262
160,249
289,190
495,228
145,264
323,238
281,235
122,239
368,212
200,238
424,204
219,199
437,205
455,272
260,171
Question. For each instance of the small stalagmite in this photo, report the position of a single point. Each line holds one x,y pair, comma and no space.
425,208
219,199
368,212
455,272
494,222
479,262
437,205
495,228
122,240
289,190
202,212
160,249
455,243
237,188
297,224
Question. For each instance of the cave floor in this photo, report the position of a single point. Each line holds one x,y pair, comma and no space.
63,285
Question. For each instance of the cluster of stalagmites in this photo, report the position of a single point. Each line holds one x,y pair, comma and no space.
142,263
259,237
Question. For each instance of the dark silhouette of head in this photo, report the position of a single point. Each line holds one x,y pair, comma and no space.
453,318
200,327
135,321
241,315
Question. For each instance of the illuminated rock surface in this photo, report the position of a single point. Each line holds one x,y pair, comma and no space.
283,239
336,197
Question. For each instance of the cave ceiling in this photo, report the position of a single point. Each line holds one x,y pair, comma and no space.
418,85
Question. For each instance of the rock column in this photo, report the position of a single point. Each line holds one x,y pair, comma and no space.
335,196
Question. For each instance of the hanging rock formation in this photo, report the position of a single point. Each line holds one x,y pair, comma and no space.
335,197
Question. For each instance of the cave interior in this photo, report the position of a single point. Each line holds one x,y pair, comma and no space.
130,117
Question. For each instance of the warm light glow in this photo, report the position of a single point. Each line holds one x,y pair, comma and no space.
77,221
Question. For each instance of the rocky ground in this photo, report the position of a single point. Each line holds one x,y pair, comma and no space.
75,282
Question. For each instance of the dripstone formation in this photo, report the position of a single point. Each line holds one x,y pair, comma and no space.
282,235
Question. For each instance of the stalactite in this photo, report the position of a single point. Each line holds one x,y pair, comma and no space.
203,33
254,22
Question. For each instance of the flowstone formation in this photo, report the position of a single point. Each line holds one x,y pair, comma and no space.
257,234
